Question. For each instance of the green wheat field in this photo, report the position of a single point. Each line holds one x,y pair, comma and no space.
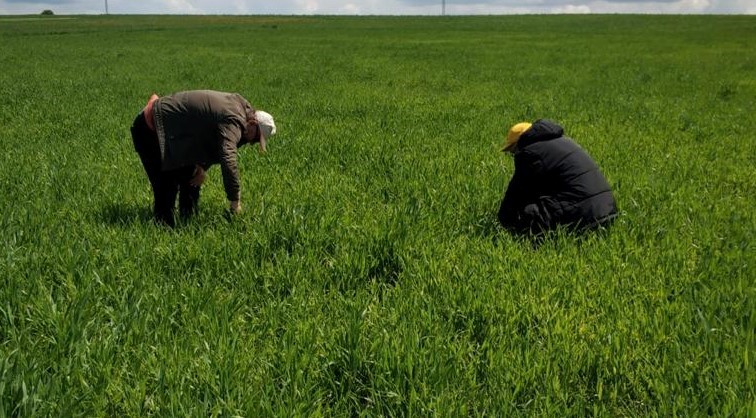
367,275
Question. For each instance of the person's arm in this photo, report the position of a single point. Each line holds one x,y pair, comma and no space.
519,195
229,136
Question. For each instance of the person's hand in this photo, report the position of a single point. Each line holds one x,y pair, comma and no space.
199,176
235,207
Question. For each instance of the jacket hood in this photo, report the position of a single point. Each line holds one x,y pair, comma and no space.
542,130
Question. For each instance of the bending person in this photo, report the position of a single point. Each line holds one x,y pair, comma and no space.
178,137
555,182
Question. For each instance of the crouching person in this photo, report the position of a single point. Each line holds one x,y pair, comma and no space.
555,183
178,137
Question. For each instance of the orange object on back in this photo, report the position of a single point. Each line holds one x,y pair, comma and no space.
149,115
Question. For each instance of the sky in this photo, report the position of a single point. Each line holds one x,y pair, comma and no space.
377,7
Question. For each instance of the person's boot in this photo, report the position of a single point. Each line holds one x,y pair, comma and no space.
164,217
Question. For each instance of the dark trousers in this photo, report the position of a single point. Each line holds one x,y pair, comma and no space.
165,184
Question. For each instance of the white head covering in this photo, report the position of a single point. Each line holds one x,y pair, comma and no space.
266,123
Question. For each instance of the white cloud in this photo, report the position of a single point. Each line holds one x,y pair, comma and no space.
310,6
351,9
182,6
573,9
240,7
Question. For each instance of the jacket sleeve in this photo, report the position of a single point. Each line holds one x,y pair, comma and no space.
515,210
229,135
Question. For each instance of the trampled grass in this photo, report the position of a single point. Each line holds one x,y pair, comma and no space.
367,275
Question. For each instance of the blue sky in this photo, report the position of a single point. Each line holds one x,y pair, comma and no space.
380,7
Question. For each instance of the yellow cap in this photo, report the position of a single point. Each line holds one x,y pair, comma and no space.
514,134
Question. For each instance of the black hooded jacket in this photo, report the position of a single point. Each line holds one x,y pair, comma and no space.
555,183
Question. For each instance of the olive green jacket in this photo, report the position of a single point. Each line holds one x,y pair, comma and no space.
203,127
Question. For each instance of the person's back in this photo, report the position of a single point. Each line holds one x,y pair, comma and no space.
195,124
555,183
